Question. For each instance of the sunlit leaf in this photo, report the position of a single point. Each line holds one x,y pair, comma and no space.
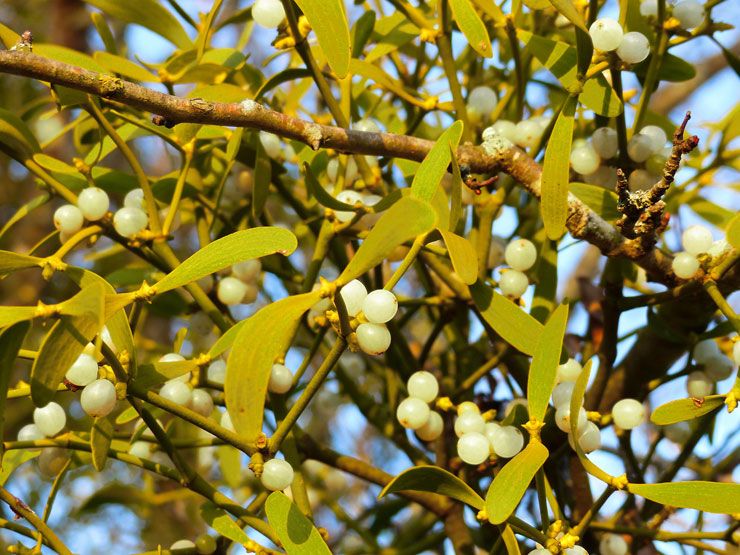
733,232
16,139
556,173
329,22
471,26
545,360
297,534
13,459
156,373
569,11
463,256
600,200
11,340
101,436
125,67
224,342
712,497
680,410
510,541
433,168
11,261
321,195
433,479
222,523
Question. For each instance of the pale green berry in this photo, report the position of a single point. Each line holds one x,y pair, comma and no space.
277,474
628,413
473,448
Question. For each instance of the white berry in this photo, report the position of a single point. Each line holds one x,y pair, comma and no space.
584,160
423,385
481,102
689,12
412,413
678,432
271,143
206,544
141,449
604,141
129,221
281,379
432,429
528,134
473,448
696,239
718,368
562,418
30,432
380,306
277,474
83,371
217,372
248,270
373,339
353,294
268,13
649,8
98,398
93,202
633,49
704,350
718,248
657,136
134,199
231,290
366,125
612,544
520,254
183,544
469,422
350,197
68,219
513,283
226,422
639,147
606,34
489,430
176,392
507,441
685,265
201,402
575,550
466,406
562,393
628,413
589,438
350,171
699,385
736,353
569,371
50,419
501,128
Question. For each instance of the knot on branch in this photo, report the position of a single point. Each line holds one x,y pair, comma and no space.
109,85
162,121
643,217
26,42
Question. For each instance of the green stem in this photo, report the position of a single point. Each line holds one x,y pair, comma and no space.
22,510
406,263
711,288
177,194
542,499
651,78
458,101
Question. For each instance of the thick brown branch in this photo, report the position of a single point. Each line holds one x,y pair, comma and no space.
582,222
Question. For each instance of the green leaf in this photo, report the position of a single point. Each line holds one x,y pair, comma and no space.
321,195
65,342
16,139
711,212
558,57
290,74
463,256
600,200
545,360
404,221
514,325
509,485
434,480
329,22
13,460
24,211
545,290
712,497
599,96
221,522
224,252
230,464
125,67
433,168
150,14
101,436
11,340
11,261
510,541
456,210
362,31
569,11
265,336
471,26
156,373
10,315
680,410
296,533
226,340
556,173
101,26
68,56
8,37
733,232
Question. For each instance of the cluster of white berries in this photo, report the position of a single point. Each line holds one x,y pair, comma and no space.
696,240
373,310
178,390
689,13
716,367
274,147
414,412
92,205
204,545
520,255
268,13
607,35
526,134
241,287
478,439
589,435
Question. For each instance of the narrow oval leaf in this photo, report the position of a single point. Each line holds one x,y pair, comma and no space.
13,460
295,531
600,200
404,221
680,410
433,479
510,541
156,373
545,360
16,140
463,256
263,338
556,173
65,342
434,166
222,523
599,96
222,253
509,485
123,66
329,22
11,340
514,325
226,340
569,11
712,497
10,315
471,26
101,436
11,261
262,178
321,195
733,232
149,14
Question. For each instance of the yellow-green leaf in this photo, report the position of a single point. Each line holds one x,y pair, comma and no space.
11,340
545,360
222,253
329,22
68,56
471,26
16,139
680,410
101,436
509,485
556,173
11,261
226,340
10,315
13,460
463,256
156,373
150,14
123,66
733,232
297,534
600,200
435,163
510,541
65,342
405,220
24,211
712,497
569,11
514,325
264,337
599,96
8,37
222,523
434,480
321,195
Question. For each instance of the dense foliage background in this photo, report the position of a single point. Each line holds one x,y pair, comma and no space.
322,145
